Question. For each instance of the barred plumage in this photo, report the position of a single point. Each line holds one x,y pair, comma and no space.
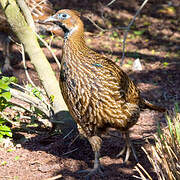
98,93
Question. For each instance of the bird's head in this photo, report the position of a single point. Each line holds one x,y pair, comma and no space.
69,21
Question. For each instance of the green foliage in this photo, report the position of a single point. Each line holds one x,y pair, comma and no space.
3,163
16,158
5,131
139,33
165,64
114,35
4,90
35,91
5,96
4,87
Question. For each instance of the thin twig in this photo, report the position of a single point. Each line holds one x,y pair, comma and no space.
69,152
55,177
127,30
49,48
29,79
110,2
137,177
141,174
17,86
25,67
7,119
140,166
73,141
98,27
104,30
22,107
68,134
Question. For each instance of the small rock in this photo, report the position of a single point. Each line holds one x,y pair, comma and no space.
44,168
137,65
18,145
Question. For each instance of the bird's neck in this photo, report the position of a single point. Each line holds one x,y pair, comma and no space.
75,46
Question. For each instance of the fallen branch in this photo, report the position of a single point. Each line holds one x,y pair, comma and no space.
31,100
55,177
110,2
7,119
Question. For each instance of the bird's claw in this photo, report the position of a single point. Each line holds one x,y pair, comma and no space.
127,149
97,170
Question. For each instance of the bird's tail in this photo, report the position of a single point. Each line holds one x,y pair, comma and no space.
148,105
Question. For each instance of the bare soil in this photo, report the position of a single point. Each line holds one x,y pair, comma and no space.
41,154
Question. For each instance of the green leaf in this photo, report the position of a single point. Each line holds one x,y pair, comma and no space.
52,98
177,109
5,131
115,34
6,95
165,64
177,126
3,163
117,59
2,120
43,36
37,93
4,85
32,125
139,32
10,150
130,62
13,79
170,125
4,103
5,79
8,80
16,158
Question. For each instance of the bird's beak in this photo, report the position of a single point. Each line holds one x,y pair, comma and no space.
50,19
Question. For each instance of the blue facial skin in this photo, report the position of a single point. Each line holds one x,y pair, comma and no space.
97,65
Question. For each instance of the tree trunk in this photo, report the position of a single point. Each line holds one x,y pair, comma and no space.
28,38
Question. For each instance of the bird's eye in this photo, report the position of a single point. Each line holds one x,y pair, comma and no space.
63,16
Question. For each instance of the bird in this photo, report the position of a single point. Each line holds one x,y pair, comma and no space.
98,93
40,10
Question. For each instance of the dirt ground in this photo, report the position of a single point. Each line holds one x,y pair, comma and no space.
155,40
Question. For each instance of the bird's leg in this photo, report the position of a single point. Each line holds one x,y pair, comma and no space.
128,148
95,142
7,69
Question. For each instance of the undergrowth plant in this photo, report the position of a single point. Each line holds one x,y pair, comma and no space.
37,108
165,153
5,97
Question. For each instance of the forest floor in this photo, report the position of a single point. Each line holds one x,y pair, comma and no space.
154,38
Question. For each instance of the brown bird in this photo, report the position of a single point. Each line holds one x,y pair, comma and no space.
98,93
40,10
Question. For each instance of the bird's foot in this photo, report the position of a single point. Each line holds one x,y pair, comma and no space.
96,170
128,149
